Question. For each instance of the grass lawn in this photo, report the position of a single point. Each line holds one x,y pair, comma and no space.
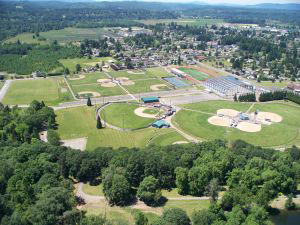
159,72
115,113
131,76
1,84
141,86
284,133
84,62
90,78
271,84
96,190
151,111
81,122
188,205
104,91
51,91
166,137
65,35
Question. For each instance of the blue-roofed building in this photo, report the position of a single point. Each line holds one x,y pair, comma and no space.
160,124
150,99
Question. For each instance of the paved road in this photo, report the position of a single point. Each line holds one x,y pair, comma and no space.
4,89
174,97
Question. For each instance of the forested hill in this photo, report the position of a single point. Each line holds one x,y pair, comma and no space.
36,179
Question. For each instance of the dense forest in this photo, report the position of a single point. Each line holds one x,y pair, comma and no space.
19,17
24,59
36,185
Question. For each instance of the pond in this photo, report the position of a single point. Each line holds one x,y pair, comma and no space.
287,218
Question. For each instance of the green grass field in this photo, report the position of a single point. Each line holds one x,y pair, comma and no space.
131,76
158,72
141,86
104,91
278,134
51,91
196,22
84,62
90,78
96,190
65,35
81,122
271,84
196,74
116,114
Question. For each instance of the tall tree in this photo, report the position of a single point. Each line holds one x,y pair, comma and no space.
89,102
99,123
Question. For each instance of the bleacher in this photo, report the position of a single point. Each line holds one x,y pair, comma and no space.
228,85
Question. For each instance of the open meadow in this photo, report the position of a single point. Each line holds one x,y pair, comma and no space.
81,122
64,36
51,90
195,22
84,62
194,120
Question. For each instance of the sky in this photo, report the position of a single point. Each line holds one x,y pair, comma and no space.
241,2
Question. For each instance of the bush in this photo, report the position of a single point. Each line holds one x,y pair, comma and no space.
149,191
175,216
289,204
53,137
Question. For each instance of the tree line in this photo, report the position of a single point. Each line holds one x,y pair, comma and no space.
280,95
24,59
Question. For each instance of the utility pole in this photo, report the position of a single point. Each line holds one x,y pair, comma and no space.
123,121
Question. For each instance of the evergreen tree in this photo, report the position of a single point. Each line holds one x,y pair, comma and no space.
89,102
235,98
99,123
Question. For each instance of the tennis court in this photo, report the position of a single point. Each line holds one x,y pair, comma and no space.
176,82
194,73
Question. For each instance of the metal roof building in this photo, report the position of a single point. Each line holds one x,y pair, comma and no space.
150,99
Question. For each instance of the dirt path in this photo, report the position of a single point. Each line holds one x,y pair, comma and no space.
253,104
4,89
74,96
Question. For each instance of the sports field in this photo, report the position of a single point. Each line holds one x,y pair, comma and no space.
64,35
158,72
103,91
194,73
132,74
116,114
89,78
81,122
51,91
141,86
283,133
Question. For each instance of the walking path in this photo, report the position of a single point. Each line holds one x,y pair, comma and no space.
4,89
185,135
250,107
